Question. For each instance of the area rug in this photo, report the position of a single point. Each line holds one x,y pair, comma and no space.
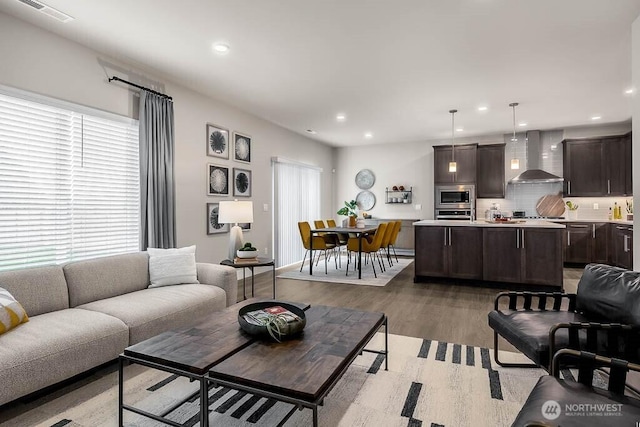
338,275
429,383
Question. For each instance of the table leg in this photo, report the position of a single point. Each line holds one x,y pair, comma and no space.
360,255
386,343
204,403
120,390
315,416
273,270
311,253
253,273
244,283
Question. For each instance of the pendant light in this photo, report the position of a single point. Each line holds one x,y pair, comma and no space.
515,162
453,167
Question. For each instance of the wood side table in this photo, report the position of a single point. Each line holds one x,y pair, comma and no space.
260,262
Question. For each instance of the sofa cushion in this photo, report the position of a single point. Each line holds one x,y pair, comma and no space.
39,290
11,312
150,312
55,346
609,294
106,277
172,266
528,330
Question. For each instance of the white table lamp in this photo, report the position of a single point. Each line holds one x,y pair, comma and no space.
235,212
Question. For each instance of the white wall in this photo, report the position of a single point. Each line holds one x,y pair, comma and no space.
41,62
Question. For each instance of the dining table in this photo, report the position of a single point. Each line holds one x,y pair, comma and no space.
360,233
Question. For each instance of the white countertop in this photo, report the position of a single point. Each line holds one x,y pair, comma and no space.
599,221
534,223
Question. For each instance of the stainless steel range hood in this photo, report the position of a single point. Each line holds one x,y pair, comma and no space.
533,174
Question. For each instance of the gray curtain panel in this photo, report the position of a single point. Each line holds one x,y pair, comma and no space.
157,185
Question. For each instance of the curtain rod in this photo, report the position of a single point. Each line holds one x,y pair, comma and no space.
141,87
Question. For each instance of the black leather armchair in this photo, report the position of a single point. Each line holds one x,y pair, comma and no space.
603,317
564,402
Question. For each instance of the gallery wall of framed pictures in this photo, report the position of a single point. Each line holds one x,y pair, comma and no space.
228,174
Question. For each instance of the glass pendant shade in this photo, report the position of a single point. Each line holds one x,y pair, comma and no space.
453,166
515,163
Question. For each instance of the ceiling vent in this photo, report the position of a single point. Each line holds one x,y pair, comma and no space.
47,10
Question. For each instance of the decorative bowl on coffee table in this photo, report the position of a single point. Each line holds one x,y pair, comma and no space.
287,329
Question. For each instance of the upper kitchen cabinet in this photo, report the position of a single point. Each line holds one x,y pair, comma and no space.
490,171
465,157
597,166
628,178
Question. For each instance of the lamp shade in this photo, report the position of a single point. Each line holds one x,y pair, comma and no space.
233,212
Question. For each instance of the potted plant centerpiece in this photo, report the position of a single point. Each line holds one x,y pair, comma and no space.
247,252
350,209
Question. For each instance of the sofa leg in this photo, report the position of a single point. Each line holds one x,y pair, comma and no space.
505,364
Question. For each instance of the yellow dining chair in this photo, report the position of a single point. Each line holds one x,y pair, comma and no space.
369,249
394,236
319,244
386,239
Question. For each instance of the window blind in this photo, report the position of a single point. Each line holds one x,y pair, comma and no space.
297,193
69,185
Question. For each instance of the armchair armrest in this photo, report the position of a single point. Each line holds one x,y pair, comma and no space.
588,361
526,299
221,276
616,340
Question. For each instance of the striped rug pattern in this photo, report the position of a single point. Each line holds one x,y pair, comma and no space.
429,383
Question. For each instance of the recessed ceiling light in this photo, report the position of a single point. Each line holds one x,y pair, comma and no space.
596,118
522,124
459,130
368,135
221,48
629,91
483,108
341,117
311,131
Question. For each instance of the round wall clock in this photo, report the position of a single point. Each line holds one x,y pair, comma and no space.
365,179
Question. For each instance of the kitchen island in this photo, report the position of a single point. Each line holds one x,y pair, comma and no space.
527,252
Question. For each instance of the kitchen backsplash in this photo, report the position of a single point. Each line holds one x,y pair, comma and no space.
524,197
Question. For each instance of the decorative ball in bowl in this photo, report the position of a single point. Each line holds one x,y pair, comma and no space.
272,320
247,251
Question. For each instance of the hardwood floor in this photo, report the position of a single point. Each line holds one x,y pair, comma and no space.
441,311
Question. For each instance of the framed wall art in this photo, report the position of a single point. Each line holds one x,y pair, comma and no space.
245,226
217,180
217,141
213,226
241,182
241,147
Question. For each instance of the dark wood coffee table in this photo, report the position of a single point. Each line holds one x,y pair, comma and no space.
303,371
218,351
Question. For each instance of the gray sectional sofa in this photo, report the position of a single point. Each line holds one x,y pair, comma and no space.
85,313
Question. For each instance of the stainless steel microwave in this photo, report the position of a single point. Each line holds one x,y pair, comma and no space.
455,197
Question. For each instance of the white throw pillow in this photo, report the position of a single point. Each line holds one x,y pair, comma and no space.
172,266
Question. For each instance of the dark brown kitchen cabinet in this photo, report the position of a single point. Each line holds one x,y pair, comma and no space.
622,245
578,243
584,168
490,171
597,166
465,157
448,252
628,178
523,255
586,242
600,250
